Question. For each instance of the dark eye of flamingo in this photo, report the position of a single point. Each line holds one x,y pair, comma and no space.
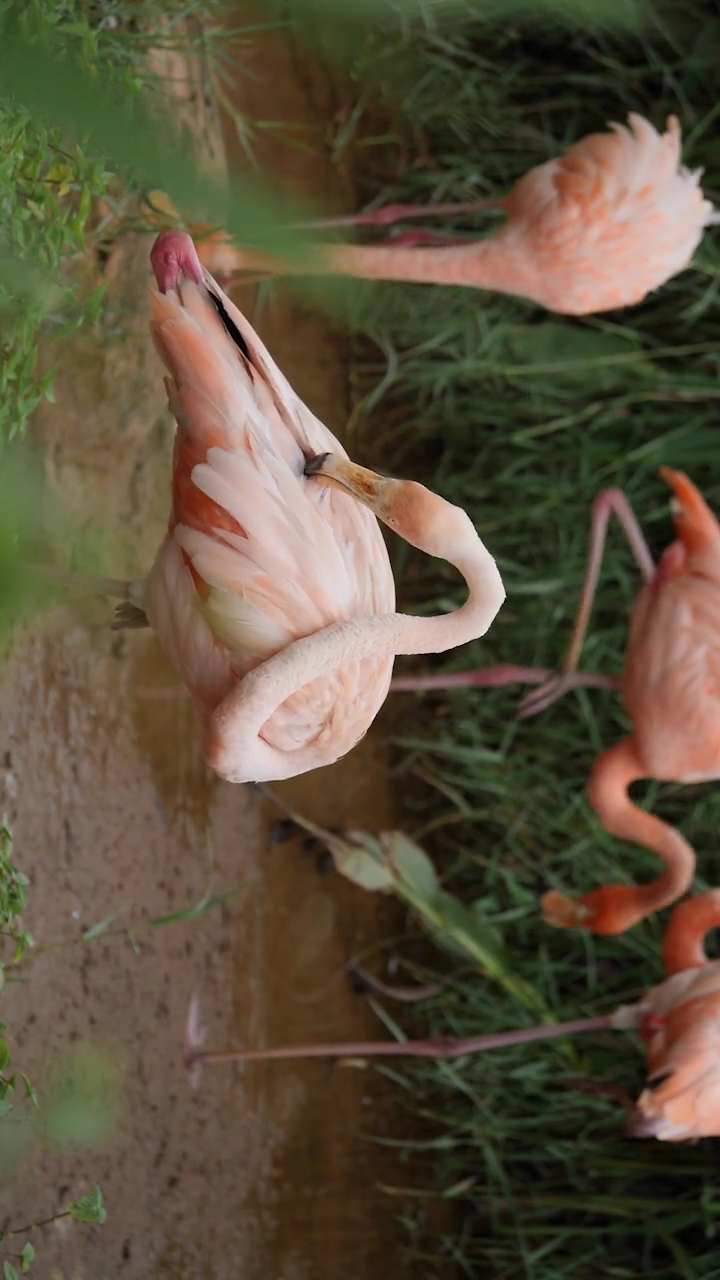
231,328
655,1081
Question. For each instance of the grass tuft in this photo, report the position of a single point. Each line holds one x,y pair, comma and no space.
523,418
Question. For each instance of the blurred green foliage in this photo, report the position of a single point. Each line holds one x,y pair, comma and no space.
81,1107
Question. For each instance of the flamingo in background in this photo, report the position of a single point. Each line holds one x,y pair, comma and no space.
678,1022
671,688
272,593
597,228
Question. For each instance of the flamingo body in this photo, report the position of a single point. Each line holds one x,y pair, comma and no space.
256,555
679,1023
272,592
671,684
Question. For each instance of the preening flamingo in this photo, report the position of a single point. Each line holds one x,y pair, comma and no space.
272,593
671,689
597,228
678,1021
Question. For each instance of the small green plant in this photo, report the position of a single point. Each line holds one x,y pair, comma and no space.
391,862
88,1208
46,196
51,177
13,901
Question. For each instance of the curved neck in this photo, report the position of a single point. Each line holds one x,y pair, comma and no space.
234,729
685,934
613,773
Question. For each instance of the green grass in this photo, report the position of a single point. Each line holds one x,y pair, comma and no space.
51,174
523,418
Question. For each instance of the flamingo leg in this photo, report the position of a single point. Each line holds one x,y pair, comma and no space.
409,239
196,1055
609,502
392,213
496,677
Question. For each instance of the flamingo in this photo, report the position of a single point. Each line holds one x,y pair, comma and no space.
678,1022
593,230
671,689
272,592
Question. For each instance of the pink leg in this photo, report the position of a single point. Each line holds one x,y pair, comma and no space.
610,501
196,1055
494,678
409,239
398,213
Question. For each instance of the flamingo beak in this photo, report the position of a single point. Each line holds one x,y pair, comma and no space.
640,1126
339,473
695,524
174,255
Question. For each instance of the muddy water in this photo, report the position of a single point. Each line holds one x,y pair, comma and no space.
268,1171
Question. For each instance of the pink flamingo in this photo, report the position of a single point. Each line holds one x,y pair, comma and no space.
597,228
272,593
678,1022
671,689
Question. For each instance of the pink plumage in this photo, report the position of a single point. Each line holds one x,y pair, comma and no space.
272,592
256,556
595,229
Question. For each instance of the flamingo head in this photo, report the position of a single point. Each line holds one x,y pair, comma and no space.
174,256
697,529
199,332
609,910
421,517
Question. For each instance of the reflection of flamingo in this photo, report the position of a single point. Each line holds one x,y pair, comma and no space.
678,1021
671,687
595,229
272,592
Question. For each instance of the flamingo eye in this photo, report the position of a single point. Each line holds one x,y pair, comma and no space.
658,1079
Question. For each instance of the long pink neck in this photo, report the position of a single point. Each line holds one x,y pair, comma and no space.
613,773
237,723
683,944
492,263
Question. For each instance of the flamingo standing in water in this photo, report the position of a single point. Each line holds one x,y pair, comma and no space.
272,592
595,229
671,689
678,1022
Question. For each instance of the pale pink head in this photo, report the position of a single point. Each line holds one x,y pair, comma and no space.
174,255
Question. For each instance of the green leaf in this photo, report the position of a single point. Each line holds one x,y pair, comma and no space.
97,929
464,932
198,909
9,1271
411,865
27,1255
89,1208
359,857
30,1091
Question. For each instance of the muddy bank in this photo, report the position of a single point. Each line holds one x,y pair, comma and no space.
268,1171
